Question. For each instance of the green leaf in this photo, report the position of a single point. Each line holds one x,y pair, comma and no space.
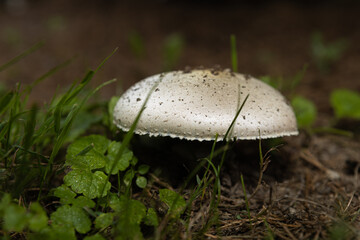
143,169
305,111
92,159
54,233
65,194
325,54
15,218
137,44
81,123
38,219
130,210
94,237
130,214
275,82
104,220
175,202
173,47
141,182
129,176
83,201
346,103
5,202
109,118
121,164
134,161
71,216
88,183
151,218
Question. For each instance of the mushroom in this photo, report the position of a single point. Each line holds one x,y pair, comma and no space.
201,103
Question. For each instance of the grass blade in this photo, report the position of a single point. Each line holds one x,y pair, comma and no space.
47,74
234,120
245,197
21,56
105,60
5,101
30,128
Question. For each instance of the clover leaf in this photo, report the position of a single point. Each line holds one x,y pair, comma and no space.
88,152
130,214
104,220
65,194
73,217
129,209
175,202
305,111
151,218
38,219
346,103
122,163
88,183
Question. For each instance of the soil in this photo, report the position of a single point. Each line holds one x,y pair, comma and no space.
312,180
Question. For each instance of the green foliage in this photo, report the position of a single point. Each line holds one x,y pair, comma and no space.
325,55
115,165
286,84
17,218
137,44
234,60
92,158
67,196
151,218
143,169
173,48
346,103
88,152
14,217
174,201
38,219
275,82
54,232
30,143
141,182
21,56
130,214
33,137
82,122
104,220
94,237
89,183
108,119
340,231
71,217
305,111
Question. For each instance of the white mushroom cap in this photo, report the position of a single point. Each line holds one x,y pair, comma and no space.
199,104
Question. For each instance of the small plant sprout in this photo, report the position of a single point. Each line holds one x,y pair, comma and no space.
326,54
198,104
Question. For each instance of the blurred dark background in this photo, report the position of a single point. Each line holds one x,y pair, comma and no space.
274,38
